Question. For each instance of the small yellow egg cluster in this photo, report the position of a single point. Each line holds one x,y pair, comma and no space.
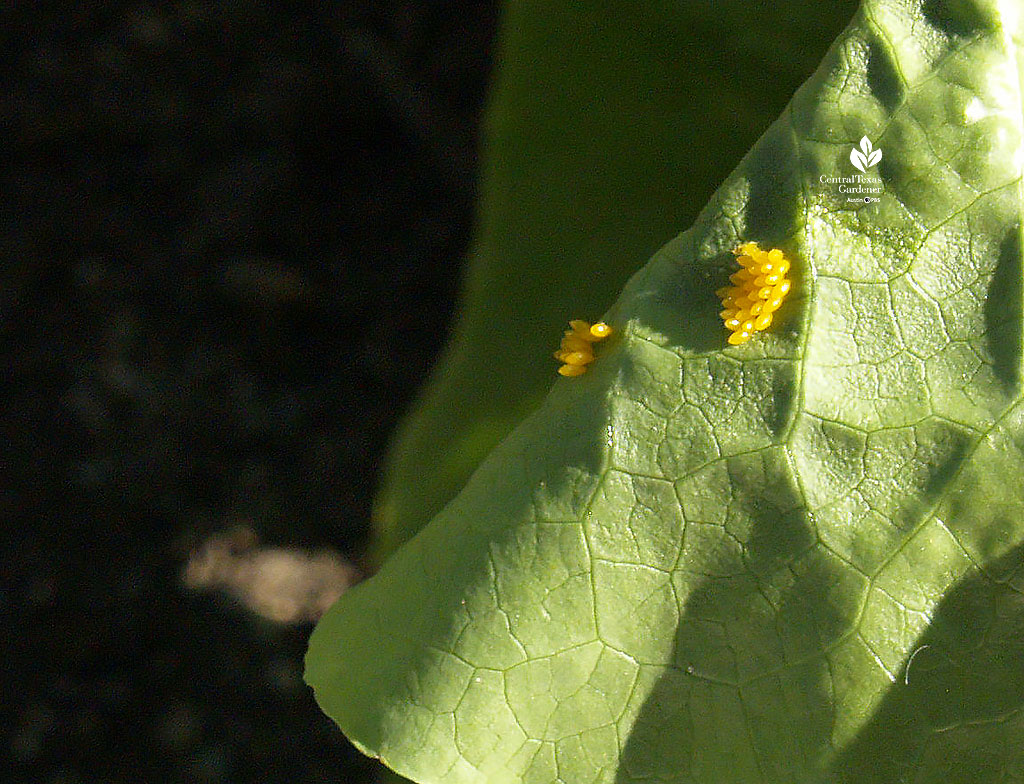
577,349
757,292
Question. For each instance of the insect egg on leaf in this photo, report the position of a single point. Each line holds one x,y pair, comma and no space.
757,291
577,349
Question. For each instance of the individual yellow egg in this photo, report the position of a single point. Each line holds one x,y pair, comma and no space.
572,370
578,358
600,331
744,302
575,343
738,337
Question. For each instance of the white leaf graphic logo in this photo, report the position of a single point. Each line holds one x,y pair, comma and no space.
864,158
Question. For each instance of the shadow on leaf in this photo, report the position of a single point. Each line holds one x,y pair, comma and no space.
714,714
956,715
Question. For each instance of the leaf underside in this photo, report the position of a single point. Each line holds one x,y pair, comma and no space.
797,560
609,124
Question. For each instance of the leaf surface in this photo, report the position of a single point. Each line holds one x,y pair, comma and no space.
796,560
609,125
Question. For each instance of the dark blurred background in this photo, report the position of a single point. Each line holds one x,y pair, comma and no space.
231,238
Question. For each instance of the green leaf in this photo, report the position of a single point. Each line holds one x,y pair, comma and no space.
610,123
796,560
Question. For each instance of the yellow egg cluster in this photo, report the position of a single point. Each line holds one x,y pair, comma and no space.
577,349
757,291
